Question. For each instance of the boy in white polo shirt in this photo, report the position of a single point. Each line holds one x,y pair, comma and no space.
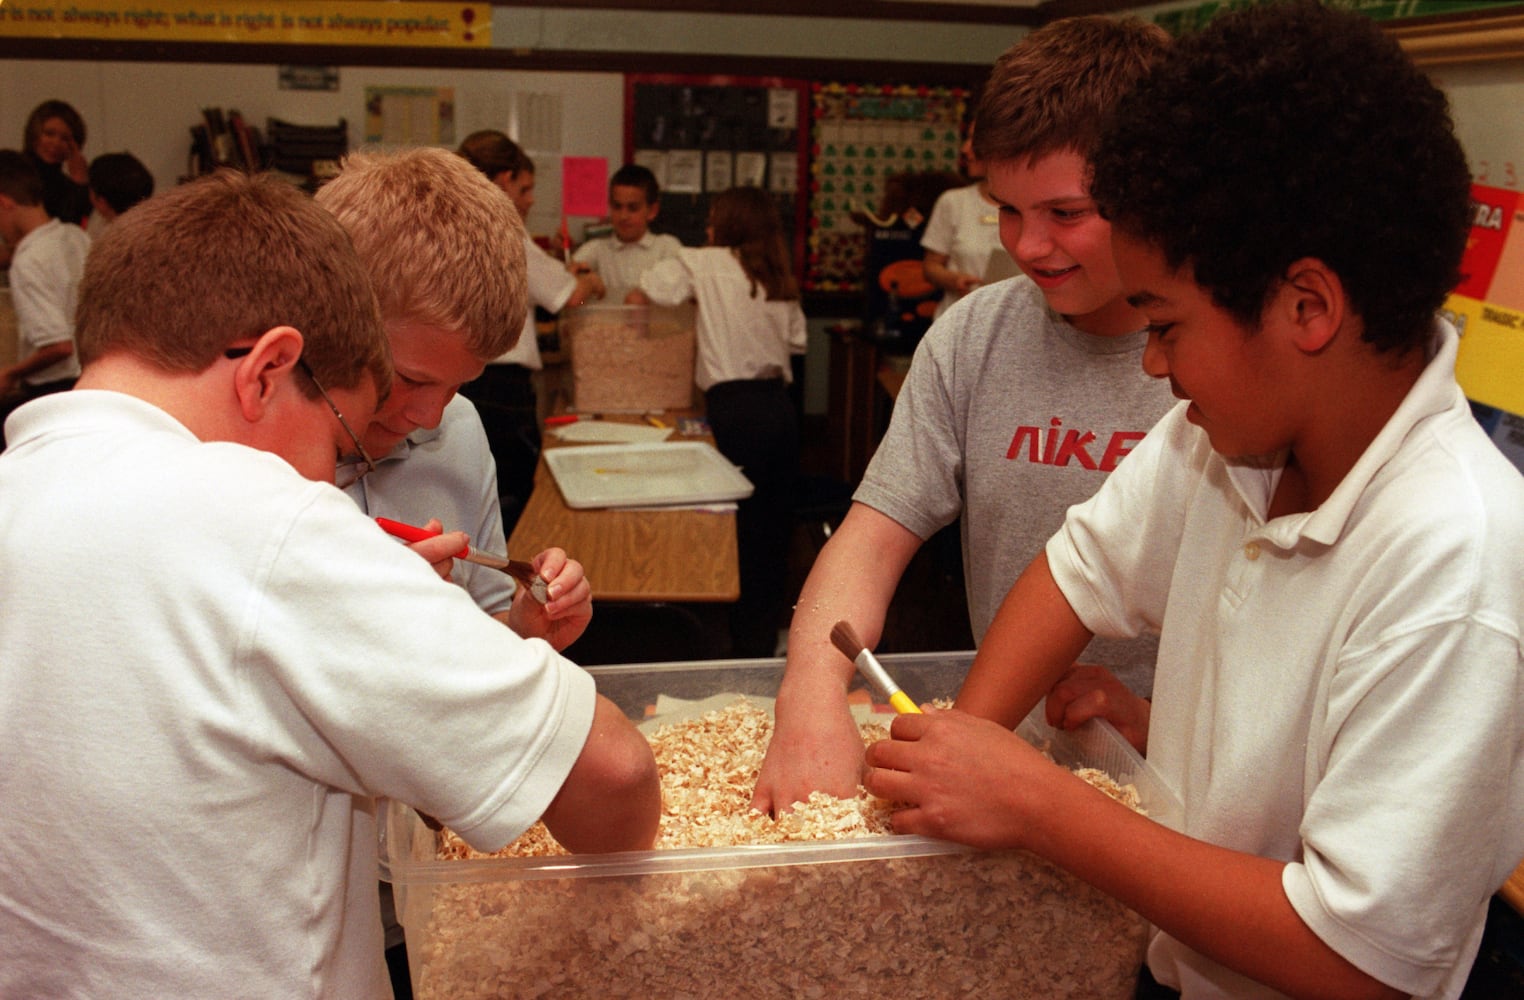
1324,536
261,663
620,259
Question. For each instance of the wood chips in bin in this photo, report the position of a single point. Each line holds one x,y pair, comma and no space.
631,358
959,924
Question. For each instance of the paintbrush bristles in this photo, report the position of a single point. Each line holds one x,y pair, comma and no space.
844,638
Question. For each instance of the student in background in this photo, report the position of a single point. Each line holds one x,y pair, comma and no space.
261,662
620,259
48,258
1019,402
118,181
749,324
54,140
504,394
962,233
1325,535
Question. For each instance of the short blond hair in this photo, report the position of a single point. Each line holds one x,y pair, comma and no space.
1052,91
444,246
225,258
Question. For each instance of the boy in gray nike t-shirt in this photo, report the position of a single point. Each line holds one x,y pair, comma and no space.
1019,401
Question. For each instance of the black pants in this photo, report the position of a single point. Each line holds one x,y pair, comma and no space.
504,396
756,428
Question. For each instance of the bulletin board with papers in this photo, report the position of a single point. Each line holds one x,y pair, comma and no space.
864,134
703,134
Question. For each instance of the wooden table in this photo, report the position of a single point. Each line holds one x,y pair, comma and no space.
634,555
1513,889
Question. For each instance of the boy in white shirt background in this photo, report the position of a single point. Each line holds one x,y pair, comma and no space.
620,259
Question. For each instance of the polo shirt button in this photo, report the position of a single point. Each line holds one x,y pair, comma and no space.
1251,551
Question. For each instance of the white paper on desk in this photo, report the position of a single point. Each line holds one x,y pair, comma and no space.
586,431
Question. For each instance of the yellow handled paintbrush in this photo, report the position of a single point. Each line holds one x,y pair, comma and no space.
845,639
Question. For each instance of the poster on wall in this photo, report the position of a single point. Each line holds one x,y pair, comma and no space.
1487,308
410,116
703,134
864,136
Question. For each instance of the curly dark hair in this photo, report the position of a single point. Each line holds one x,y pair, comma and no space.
1287,131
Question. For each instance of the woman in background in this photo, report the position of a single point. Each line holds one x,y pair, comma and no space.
54,140
749,324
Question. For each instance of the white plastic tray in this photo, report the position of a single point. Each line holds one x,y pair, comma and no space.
636,475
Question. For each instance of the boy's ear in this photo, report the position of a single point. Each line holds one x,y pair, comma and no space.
1311,299
269,366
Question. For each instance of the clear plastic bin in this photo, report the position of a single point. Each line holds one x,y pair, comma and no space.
873,916
630,359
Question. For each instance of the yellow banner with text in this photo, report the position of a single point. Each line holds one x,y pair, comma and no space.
305,22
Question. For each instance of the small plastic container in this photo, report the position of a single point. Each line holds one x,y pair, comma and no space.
868,916
630,359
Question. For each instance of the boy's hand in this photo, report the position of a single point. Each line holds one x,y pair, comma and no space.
959,777
1088,692
820,749
565,615
589,288
439,551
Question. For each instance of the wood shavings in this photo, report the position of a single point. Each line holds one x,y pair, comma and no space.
998,924
631,358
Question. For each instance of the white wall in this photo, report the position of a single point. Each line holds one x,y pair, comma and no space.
148,108
1487,101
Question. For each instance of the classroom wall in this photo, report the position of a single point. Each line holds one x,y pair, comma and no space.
148,108
549,29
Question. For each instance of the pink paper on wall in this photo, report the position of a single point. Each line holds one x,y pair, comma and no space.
584,185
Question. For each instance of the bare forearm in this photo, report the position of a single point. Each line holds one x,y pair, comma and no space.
816,745
853,580
1224,904
1033,640
611,800
44,357
939,274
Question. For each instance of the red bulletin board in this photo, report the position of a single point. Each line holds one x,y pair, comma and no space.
701,134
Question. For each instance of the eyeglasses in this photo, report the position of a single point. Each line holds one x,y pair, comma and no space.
364,464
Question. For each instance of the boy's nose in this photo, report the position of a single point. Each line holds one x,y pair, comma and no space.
1155,363
1032,242
426,413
